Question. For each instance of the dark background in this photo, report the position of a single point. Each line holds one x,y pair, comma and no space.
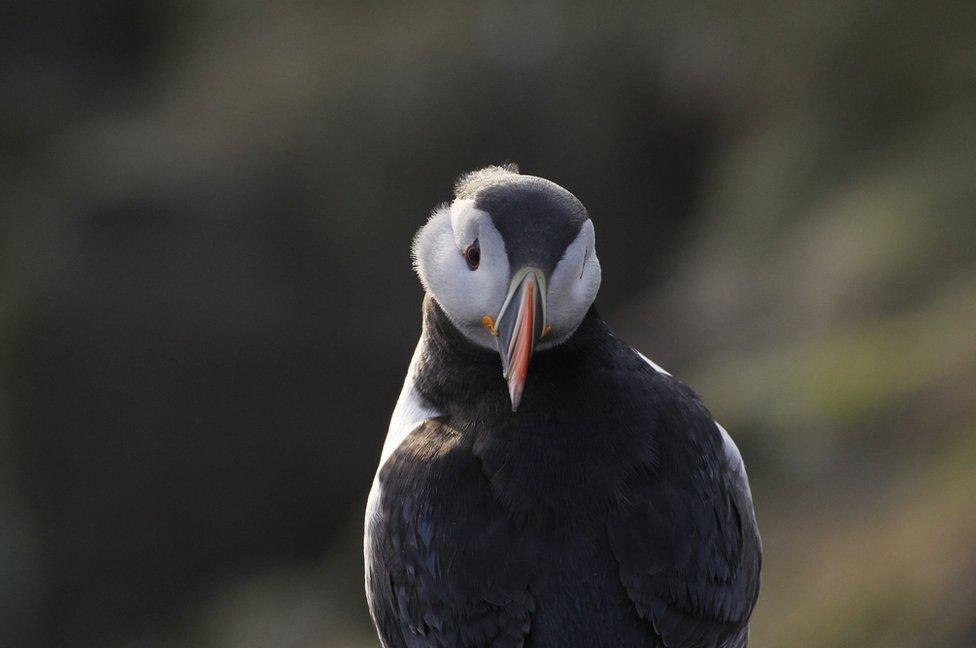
207,305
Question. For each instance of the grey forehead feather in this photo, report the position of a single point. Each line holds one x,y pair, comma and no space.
468,184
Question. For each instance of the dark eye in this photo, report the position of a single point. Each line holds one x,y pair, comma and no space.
473,255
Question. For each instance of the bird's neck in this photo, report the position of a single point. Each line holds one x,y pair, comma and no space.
465,379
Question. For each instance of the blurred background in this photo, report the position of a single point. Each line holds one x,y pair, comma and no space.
207,305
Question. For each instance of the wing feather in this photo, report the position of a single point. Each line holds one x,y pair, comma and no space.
445,572
684,534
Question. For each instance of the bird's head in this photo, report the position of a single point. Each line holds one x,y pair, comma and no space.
512,263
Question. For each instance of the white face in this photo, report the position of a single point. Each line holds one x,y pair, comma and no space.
468,295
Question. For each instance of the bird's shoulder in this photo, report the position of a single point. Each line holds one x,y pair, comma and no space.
658,412
432,446
426,478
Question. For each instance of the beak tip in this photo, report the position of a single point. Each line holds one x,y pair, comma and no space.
515,394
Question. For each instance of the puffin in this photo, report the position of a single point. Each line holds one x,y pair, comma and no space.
542,483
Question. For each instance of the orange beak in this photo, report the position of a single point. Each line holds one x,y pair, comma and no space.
519,331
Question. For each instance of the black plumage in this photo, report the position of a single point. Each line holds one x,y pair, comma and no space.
607,512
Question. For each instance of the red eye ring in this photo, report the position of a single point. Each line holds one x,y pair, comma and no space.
472,255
